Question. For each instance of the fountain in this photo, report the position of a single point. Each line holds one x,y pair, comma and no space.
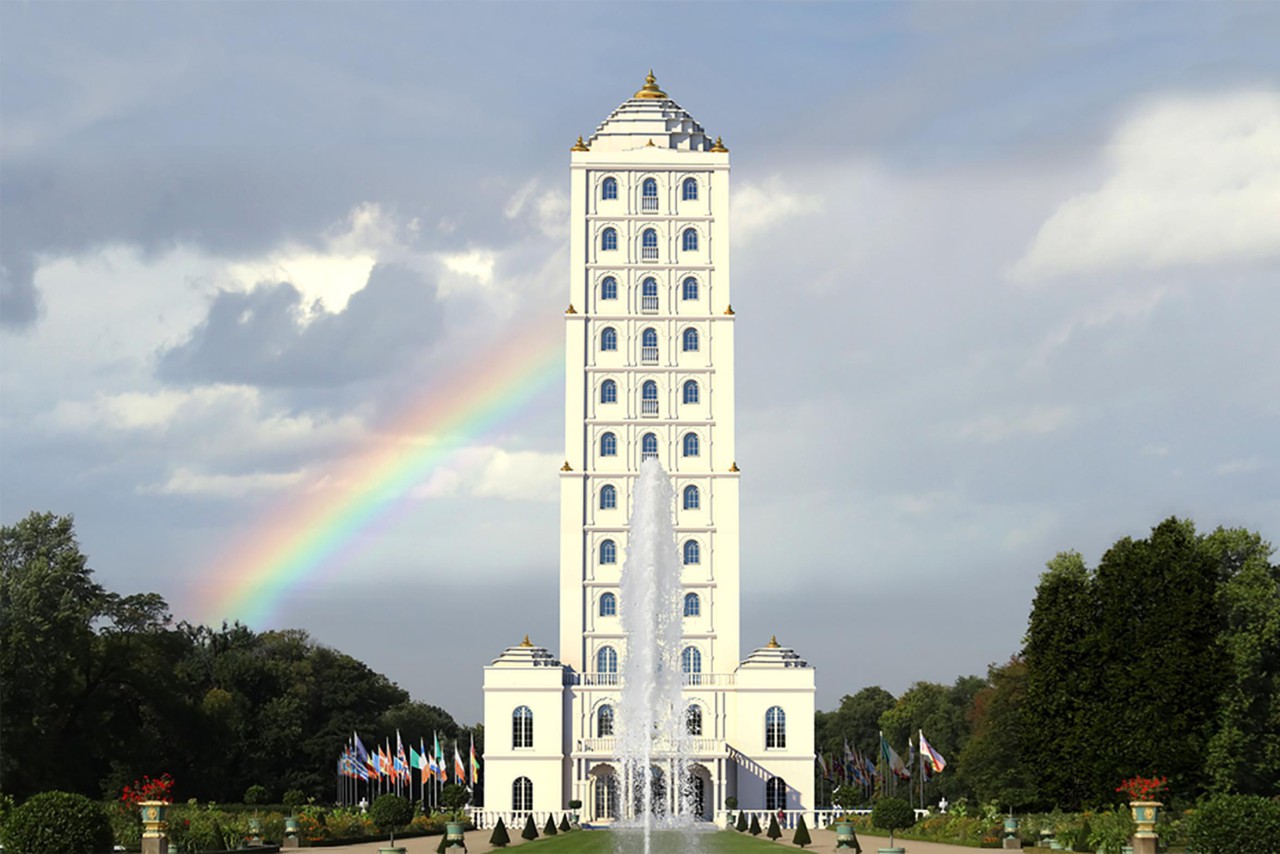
653,741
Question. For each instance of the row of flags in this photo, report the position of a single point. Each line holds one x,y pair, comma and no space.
382,763
861,770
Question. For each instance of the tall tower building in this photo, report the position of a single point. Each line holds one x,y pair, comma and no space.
649,336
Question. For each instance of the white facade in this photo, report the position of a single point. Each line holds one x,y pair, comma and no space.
649,336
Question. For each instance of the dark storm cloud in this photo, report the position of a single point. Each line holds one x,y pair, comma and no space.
259,338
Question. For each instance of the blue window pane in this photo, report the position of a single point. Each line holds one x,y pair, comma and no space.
609,288
649,188
608,605
649,239
609,339
608,445
608,552
692,605
607,660
690,340
608,392
689,190
691,444
692,553
608,497
649,338
604,721
609,189
691,288
690,240
609,239
775,727
690,660
692,498
649,447
649,391
649,288
691,391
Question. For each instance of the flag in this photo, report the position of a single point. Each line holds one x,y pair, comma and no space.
848,760
872,771
424,764
932,758
362,755
891,756
415,760
432,764
459,769
402,764
911,760
475,763
822,763
441,769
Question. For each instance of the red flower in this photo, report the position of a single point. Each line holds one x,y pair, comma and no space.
159,789
1142,788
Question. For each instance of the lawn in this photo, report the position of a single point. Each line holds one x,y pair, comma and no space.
602,842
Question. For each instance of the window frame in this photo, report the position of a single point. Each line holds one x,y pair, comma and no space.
521,728
609,391
689,240
609,240
609,189
609,288
691,399
612,600
775,728
689,190
603,714
609,444
690,445
694,600
612,659
608,553
522,794
608,340
689,340
608,497
645,453
688,286
691,498
691,553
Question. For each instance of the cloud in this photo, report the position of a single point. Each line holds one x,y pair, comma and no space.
1240,466
1193,180
185,481
19,300
269,336
755,207
492,472
546,210
1035,421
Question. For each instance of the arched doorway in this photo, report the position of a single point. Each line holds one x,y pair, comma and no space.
604,795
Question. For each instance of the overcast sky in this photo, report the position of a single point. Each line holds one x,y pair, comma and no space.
1007,280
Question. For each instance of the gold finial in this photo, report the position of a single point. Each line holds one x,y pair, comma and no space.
734,466
650,88
526,641
729,310
580,145
719,146
773,643
570,309
566,466
649,144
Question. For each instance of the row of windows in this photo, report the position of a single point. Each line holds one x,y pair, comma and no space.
775,789
649,240
689,445
649,189
648,391
609,605
609,497
775,719
607,660
648,288
648,341
691,552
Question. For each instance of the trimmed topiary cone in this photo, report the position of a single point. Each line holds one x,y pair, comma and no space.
564,824
530,829
802,834
499,838
550,828
741,826
755,825
774,832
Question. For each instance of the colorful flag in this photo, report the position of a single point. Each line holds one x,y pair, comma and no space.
415,760
441,769
891,756
459,769
402,764
931,757
431,760
822,763
424,764
475,763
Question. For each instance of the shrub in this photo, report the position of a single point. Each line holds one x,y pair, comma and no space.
741,826
774,832
892,814
802,834
256,795
203,831
390,811
1234,824
575,804
126,826
564,824
499,838
1109,831
530,829
755,825
294,798
549,829
345,824
58,823
731,803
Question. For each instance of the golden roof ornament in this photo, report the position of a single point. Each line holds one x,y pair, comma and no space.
526,641
570,309
719,146
650,88
734,466
579,145
566,466
729,310
649,144
773,643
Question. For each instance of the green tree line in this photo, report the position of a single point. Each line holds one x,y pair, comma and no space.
1163,660
99,689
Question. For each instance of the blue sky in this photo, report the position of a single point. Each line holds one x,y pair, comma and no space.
1006,277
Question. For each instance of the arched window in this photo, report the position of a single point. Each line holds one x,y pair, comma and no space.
608,552
608,497
608,392
608,445
649,398
609,288
691,664
522,794
649,244
649,189
690,289
648,447
689,240
691,340
691,444
691,391
693,719
692,605
609,239
775,727
649,337
604,721
689,190
609,189
609,339
692,552
692,498
606,660
775,794
649,294
522,727
608,605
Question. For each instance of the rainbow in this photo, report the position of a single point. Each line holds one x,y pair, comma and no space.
317,531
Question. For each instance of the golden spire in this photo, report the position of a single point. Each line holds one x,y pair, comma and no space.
773,643
579,145
649,144
570,309
729,310
526,641
650,88
566,466
719,146
734,467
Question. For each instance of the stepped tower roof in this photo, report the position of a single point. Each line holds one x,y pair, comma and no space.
650,119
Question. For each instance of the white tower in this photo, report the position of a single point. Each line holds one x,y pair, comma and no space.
649,338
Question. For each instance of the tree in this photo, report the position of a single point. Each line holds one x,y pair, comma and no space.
774,832
892,814
453,796
499,838
755,825
942,712
390,811
801,836
530,829
993,761
741,826
549,829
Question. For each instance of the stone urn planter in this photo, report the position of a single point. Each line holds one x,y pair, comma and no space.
1145,814
845,837
453,835
155,818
